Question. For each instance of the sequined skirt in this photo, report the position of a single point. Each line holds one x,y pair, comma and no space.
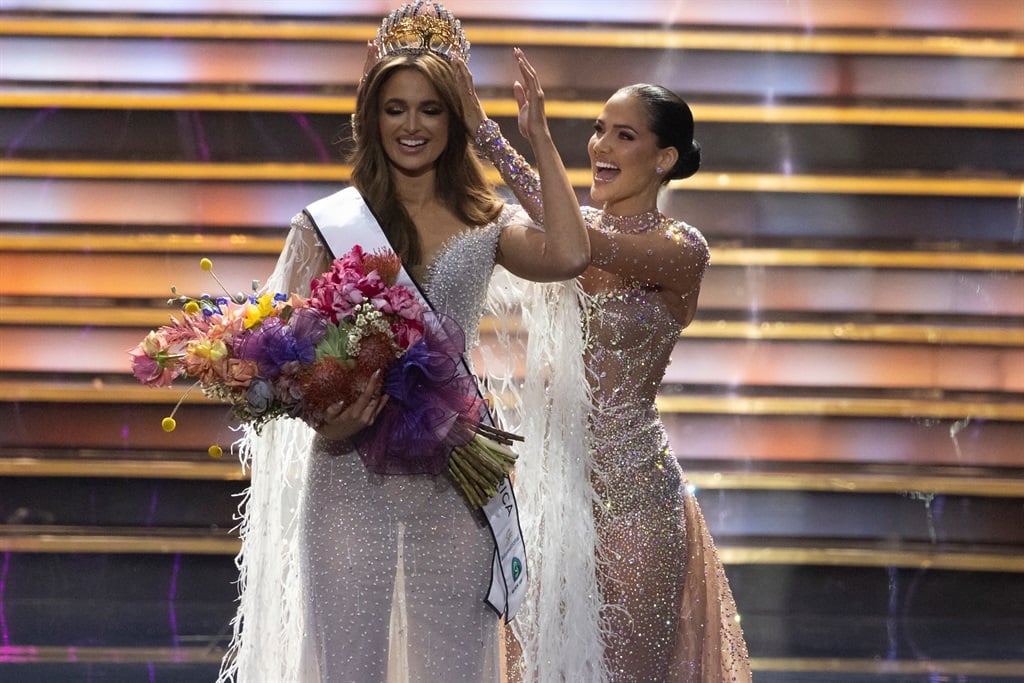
396,568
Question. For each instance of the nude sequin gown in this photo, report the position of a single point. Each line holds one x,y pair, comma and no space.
666,609
670,610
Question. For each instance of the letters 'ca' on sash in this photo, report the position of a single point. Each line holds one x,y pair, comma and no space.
344,220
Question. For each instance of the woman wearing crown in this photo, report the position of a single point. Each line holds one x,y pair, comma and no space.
347,574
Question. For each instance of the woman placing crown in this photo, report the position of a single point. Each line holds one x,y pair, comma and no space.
392,569
640,595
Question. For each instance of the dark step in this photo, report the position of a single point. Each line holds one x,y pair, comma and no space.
156,672
114,600
916,515
882,219
881,613
300,137
104,502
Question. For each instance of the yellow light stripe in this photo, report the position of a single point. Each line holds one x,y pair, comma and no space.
229,469
868,116
863,258
851,184
48,543
872,557
483,34
840,407
75,654
720,256
142,242
193,29
55,654
211,654
753,41
728,182
343,105
83,540
185,171
203,101
99,392
855,332
943,667
121,316
839,482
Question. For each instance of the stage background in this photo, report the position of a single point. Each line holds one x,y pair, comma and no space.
849,402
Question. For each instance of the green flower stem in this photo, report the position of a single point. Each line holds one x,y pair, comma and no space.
467,489
474,492
464,461
479,465
481,461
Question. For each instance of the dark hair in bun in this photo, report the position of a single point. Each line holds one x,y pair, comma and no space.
672,123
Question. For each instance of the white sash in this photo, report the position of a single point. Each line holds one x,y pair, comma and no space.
344,220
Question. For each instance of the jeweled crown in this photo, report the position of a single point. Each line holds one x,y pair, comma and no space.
421,26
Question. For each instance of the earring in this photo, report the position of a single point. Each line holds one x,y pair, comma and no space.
658,170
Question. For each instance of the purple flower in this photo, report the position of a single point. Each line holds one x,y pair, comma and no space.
275,343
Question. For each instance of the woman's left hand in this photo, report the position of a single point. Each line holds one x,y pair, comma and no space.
530,98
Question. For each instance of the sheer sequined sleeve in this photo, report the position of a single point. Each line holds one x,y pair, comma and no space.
672,255
303,257
520,177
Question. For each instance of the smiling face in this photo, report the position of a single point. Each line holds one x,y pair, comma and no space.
624,158
413,122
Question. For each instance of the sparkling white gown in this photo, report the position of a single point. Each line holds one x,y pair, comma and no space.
391,571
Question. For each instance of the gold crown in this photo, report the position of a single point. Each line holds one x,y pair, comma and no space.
421,26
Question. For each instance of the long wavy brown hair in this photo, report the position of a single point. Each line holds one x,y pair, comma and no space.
460,182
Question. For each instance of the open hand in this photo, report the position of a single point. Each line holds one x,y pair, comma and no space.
472,109
530,98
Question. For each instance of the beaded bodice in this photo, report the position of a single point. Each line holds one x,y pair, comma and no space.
456,282
632,331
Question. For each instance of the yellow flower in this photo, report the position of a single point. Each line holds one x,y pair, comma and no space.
214,349
192,308
206,264
255,313
168,424
215,451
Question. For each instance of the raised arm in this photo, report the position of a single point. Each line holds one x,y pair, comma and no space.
562,249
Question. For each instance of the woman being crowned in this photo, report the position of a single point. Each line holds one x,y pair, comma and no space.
357,573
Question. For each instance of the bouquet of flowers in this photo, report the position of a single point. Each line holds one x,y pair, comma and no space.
271,355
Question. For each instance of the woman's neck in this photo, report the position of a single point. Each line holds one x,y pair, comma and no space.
416,192
633,205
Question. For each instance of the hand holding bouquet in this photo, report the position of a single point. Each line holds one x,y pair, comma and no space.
274,355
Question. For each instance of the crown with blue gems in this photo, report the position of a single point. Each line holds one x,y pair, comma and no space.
422,27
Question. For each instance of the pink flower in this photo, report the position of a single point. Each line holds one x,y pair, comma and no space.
353,261
149,371
402,302
406,333
338,291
